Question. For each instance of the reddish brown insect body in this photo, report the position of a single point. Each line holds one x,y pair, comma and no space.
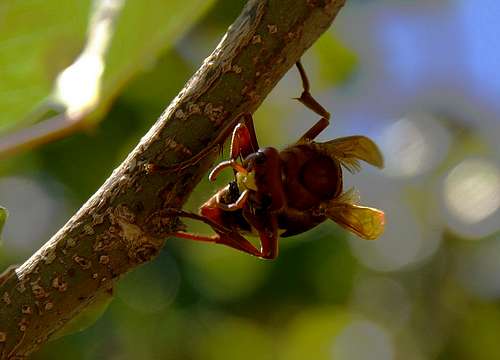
288,191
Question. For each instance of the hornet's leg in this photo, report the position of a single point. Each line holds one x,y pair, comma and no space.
223,236
311,103
267,227
233,240
237,205
244,140
237,167
243,143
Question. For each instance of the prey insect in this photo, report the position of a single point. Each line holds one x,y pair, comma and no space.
282,193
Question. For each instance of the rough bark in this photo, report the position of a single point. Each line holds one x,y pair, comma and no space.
124,224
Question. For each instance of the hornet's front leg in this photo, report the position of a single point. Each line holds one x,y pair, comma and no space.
266,225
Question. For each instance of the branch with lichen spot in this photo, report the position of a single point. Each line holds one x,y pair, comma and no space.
125,223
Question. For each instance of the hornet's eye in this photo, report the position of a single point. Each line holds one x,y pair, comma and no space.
260,157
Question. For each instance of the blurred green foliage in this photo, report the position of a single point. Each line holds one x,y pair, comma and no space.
144,30
336,62
41,38
37,40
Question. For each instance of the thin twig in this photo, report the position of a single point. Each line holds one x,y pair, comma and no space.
44,132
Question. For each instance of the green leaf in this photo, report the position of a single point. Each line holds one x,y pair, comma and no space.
38,39
144,30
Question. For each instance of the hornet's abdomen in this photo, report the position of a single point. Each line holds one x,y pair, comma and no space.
309,177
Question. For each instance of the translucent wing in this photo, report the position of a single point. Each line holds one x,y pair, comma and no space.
349,150
350,196
367,223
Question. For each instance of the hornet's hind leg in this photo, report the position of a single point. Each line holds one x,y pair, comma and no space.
307,99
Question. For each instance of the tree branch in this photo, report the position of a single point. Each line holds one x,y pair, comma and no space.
124,224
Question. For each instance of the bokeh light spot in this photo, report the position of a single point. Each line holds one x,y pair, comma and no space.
376,342
478,268
86,70
472,190
414,145
33,212
312,332
405,241
382,299
151,287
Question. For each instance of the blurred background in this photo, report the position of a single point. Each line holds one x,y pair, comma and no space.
419,77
